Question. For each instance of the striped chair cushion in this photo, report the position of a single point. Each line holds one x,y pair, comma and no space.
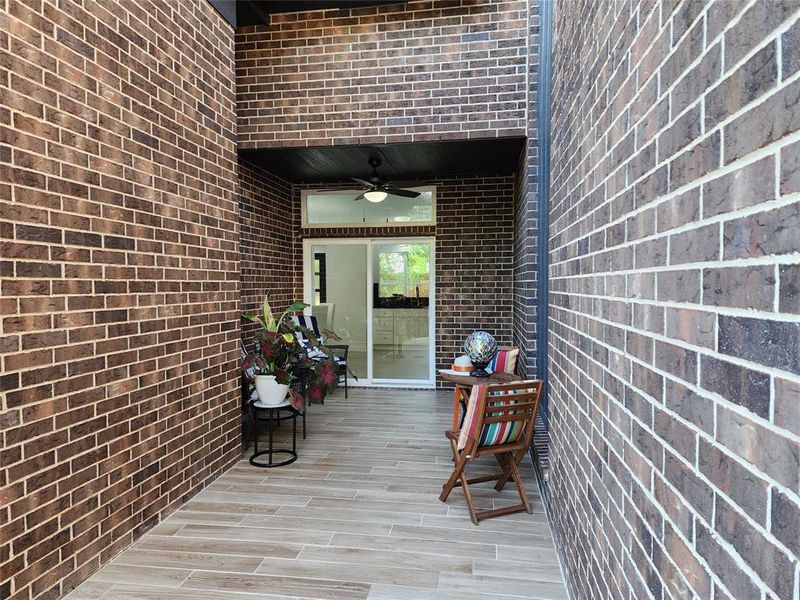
310,322
504,361
492,434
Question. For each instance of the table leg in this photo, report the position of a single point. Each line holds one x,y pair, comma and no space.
269,429
273,414
456,400
294,430
255,429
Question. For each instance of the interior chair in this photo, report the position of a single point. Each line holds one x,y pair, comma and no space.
324,313
499,421
339,351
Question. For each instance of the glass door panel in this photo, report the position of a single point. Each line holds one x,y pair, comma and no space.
339,296
401,292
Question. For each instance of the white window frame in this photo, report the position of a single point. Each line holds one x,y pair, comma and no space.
304,210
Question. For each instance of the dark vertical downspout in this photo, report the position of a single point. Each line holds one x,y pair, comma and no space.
543,131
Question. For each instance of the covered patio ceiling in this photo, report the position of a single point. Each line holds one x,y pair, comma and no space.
495,156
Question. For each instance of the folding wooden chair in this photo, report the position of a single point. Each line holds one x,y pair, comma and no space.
499,421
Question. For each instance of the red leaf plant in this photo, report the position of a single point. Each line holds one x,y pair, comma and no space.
277,351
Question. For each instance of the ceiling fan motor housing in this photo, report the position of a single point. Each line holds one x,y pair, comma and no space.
375,179
376,185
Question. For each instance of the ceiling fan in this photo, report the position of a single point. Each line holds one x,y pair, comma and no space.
376,188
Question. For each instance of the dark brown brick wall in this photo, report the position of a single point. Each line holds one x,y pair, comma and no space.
398,73
119,273
526,221
474,262
268,223
674,338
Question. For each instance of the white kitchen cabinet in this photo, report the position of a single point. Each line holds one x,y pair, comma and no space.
400,328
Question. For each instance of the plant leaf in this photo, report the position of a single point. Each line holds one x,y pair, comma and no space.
297,306
267,310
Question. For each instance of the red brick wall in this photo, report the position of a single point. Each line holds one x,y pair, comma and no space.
119,277
268,224
474,260
397,73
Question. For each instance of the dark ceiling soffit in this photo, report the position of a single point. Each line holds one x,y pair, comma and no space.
492,156
227,9
256,12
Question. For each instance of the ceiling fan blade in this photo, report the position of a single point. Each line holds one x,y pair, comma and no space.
363,182
359,197
400,192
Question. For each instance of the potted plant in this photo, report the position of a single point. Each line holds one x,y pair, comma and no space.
277,355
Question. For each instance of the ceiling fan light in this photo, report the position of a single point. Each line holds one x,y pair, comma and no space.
375,196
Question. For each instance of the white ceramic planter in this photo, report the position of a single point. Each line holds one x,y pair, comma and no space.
270,392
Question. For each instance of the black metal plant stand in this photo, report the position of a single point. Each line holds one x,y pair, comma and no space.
273,415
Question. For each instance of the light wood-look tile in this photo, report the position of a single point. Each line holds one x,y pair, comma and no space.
174,543
122,591
389,558
361,573
209,561
278,585
117,572
356,517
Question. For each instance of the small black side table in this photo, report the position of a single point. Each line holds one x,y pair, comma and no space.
271,411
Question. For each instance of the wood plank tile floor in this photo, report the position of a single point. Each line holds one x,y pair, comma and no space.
357,517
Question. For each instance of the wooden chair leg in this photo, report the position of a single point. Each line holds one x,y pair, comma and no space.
458,471
459,477
515,475
468,496
507,475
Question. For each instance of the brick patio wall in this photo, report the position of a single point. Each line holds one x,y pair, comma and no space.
269,219
396,73
675,304
119,277
474,250
526,226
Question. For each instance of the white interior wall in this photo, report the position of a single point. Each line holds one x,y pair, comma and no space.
346,277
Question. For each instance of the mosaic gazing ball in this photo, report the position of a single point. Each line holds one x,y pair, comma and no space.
480,347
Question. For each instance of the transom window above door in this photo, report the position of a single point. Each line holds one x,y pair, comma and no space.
338,209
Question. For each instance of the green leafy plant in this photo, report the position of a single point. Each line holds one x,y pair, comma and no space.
276,351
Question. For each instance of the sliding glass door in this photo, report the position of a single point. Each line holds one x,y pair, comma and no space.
339,296
378,297
401,310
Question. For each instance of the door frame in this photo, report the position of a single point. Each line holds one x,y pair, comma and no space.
369,243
